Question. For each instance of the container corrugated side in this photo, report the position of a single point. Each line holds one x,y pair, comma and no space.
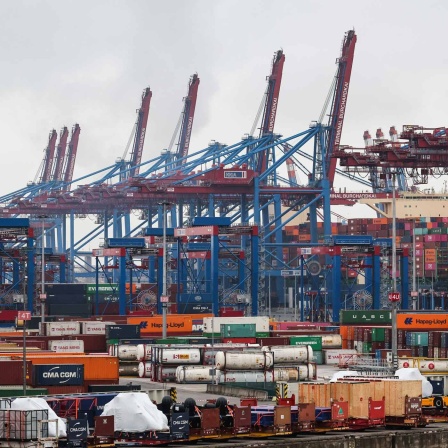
96,367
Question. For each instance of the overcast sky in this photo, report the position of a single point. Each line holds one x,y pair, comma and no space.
88,61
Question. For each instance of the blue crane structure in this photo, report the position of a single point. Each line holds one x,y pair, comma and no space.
245,182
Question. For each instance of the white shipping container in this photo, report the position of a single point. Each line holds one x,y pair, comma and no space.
145,370
62,328
66,346
127,352
243,360
144,352
334,356
179,356
194,374
305,372
213,324
284,354
94,327
331,341
424,365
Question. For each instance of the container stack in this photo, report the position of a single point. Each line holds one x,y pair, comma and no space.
270,364
122,341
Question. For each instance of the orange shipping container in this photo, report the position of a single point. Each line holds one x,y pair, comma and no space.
179,323
413,321
430,252
343,331
430,259
96,367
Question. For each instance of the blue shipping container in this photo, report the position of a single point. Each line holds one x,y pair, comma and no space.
58,375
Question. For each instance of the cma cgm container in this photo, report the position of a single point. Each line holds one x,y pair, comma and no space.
96,367
212,325
58,375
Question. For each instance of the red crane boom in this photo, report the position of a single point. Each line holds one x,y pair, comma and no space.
339,103
271,103
71,156
60,154
49,157
140,133
188,117
273,92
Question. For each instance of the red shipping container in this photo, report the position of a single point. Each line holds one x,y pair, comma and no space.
8,315
239,340
272,341
11,372
230,312
65,390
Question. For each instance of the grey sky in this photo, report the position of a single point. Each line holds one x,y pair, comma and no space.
88,61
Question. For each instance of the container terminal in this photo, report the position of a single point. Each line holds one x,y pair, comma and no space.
225,267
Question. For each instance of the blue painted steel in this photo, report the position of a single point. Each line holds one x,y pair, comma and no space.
356,240
155,231
125,242
211,221
387,242
15,223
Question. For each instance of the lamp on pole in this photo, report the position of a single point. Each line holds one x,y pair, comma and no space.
394,297
164,296
43,295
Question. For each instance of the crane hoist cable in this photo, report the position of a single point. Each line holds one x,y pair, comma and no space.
176,132
329,97
260,111
131,138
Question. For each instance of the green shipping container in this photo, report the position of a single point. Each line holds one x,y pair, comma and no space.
318,357
238,330
378,334
169,341
365,317
314,341
366,347
17,391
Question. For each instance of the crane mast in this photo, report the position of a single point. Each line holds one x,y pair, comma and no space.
339,103
60,154
271,103
140,133
71,156
188,117
49,157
